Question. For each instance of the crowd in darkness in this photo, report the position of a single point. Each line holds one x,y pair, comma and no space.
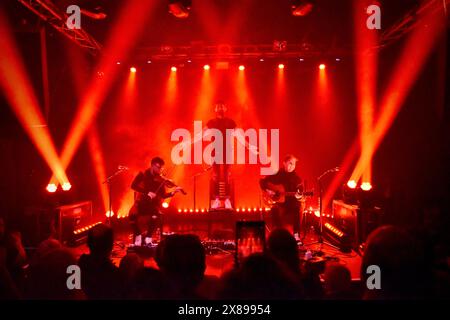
413,266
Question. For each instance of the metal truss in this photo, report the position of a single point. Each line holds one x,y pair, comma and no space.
409,21
48,12
199,51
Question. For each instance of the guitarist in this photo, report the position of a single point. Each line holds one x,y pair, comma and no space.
285,214
150,190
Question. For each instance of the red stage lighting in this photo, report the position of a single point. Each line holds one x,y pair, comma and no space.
322,66
133,69
51,187
165,205
180,8
206,67
241,67
366,186
301,8
173,69
351,184
281,66
66,186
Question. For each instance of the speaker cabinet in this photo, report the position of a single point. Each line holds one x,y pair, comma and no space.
355,221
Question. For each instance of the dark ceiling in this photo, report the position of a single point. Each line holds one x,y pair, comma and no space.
253,21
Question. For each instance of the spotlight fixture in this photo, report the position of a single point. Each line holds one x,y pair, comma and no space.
133,69
66,186
366,186
351,184
173,69
51,187
322,66
180,8
241,67
301,8
281,66
206,67
109,214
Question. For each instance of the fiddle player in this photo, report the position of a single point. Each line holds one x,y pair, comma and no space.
150,189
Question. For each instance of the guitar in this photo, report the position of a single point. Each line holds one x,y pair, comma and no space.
276,193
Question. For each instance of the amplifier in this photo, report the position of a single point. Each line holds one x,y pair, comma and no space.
70,218
355,221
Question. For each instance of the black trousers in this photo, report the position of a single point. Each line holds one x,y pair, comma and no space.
147,220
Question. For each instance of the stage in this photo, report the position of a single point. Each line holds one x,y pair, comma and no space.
219,260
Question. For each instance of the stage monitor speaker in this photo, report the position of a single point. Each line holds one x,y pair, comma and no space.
70,218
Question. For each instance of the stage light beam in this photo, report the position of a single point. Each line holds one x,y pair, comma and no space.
19,93
413,57
128,27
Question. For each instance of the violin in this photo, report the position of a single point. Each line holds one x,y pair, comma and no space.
170,184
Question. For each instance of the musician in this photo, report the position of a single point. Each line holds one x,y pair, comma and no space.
150,191
220,186
286,214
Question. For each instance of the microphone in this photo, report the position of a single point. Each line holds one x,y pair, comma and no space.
123,168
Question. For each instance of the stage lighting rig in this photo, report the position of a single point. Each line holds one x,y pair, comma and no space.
301,8
180,8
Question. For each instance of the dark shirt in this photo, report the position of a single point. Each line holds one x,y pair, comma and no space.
222,124
144,183
290,181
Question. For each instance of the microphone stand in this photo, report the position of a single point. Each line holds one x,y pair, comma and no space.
320,235
108,181
195,183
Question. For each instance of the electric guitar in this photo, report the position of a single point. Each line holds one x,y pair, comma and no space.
276,193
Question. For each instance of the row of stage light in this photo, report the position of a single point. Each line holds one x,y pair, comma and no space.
203,210
241,67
